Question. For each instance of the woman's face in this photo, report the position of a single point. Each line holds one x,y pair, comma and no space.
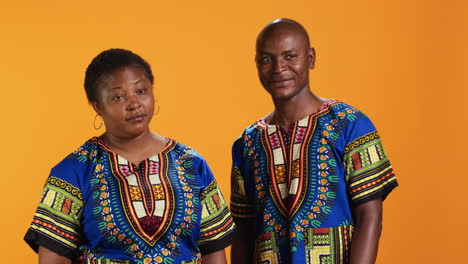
125,101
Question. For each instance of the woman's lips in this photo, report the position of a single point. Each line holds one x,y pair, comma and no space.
136,118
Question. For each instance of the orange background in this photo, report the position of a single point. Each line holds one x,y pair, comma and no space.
402,62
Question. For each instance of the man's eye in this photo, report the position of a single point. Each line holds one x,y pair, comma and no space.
291,56
141,91
265,59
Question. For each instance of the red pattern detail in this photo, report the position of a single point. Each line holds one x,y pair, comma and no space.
66,207
153,167
300,134
264,236
274,140
216,201
321,230
372,183
55,229
217,230
357,163
125,170
150,223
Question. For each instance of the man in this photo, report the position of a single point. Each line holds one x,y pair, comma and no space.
308,180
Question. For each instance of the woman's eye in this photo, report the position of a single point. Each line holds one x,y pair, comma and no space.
118,98
141,91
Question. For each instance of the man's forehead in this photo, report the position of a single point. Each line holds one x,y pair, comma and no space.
279,37
281,30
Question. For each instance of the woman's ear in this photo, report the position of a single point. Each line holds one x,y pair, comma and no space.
97,108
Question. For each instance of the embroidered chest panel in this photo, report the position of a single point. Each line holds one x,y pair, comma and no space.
146,194
146,210
296,174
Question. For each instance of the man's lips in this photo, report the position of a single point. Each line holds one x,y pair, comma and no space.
136,118
280,82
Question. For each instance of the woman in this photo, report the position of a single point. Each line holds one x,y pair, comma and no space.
129,196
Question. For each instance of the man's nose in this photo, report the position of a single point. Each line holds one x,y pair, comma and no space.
278,65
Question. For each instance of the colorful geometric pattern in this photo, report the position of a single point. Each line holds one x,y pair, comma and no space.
58,210
147,211
240,208
266,249
368,169
328,245
307,180
106,261
167,209
216,219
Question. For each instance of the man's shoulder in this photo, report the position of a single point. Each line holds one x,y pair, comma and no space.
250,133
255,127
343,111
340,106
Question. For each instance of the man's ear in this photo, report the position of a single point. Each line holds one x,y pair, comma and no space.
311,58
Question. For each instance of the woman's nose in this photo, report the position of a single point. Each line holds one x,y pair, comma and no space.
133,103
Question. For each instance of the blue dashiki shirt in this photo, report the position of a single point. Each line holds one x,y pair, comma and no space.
298,187
97,207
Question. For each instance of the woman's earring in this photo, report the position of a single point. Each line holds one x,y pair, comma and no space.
97,127
157,103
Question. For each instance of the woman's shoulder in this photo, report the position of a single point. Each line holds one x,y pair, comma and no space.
82,155
186,152
73,168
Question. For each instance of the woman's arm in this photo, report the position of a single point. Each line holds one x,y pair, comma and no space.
368,227
217,257
47,256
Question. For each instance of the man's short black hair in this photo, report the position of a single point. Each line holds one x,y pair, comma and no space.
108,61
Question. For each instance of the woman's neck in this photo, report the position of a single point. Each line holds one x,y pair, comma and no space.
135,149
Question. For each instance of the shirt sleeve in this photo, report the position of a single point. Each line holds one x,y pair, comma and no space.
56,223
369,174
217,226
242,207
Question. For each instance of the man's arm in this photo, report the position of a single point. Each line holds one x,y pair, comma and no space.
368,227
217,257
242,249
47,256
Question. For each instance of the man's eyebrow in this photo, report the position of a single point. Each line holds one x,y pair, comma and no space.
269,53
264,52
288,51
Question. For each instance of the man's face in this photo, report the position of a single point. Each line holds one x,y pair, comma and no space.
283,61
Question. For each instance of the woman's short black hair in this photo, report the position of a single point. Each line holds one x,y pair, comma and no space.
108,61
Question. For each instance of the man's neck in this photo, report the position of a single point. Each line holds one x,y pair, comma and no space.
294,109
